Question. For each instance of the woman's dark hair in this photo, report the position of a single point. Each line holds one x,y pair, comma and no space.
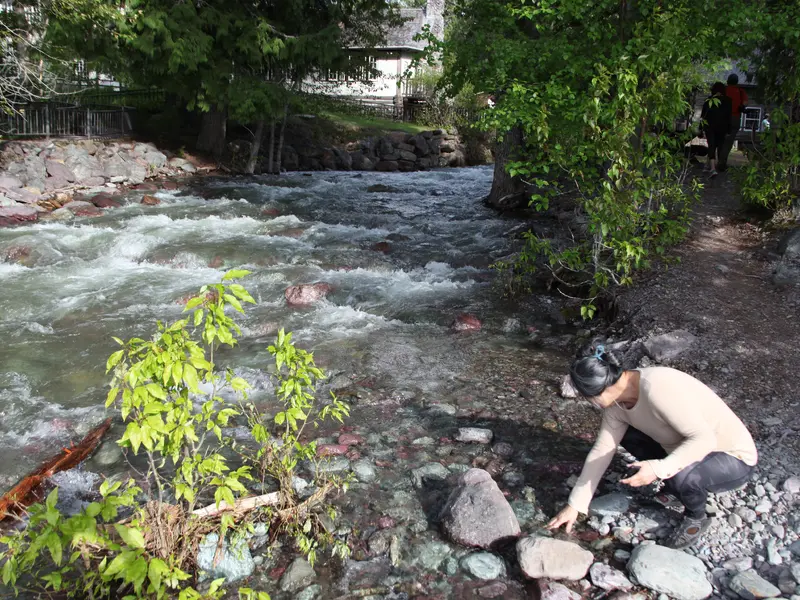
718,88
733,79
594,369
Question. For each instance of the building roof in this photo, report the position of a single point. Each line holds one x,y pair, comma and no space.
414,20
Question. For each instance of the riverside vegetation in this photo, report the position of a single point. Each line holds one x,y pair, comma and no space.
141,538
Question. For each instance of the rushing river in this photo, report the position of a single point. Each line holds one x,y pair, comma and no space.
68,287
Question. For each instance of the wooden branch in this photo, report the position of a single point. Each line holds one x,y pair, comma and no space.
29,489
243,505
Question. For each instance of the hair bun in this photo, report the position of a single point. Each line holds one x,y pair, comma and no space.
598,348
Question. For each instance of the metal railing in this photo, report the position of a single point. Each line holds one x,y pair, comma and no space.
51,119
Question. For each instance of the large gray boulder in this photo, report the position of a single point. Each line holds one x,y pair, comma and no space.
671,572
477,513
541,557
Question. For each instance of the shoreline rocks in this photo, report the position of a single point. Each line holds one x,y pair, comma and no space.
541,557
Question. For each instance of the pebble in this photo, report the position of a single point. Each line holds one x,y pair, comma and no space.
232,563
474,435
503,449
773,557
430,472
365,471
550,590
792,485
484,565
610,505
622,556
298,575
541,557
312,592
737,565
608,578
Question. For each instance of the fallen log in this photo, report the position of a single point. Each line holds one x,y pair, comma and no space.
29,489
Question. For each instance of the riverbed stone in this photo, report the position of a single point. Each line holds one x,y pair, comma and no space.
552,590
541,557
751,586
433,471
298,575
365,471
484,565
477,513
312,592
59,171
669,345
10,183
610,505
466,322
607,578
671,572
474,435
306,294
792,485
235,562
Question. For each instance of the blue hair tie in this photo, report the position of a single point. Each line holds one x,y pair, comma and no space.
598,353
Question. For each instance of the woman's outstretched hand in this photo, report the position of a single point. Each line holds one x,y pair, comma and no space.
644,476
567,516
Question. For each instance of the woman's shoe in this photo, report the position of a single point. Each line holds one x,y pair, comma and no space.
688,533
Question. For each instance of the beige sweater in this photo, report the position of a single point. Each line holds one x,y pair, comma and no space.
679,412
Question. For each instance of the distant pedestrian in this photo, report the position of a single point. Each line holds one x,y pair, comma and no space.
716,118
765,124
739,102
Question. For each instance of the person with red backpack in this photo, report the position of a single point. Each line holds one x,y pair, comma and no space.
739,102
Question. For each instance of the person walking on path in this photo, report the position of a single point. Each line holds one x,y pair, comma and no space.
739,102
680,432
715,119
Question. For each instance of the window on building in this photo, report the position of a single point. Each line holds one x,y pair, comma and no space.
751,119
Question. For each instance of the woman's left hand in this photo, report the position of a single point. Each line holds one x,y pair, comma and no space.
644,476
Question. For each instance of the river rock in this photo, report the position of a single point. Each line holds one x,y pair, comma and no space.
431,472
610,505
235,562
567,389
59,171
608,578
81,208
671,572
792,485
365,471
669,345
555,559
477,513
7,182
551,590
484,565
306,294
149,200
751,586
474,435
466,322
104,200
155,158
16,215
388,166
737,565
300,574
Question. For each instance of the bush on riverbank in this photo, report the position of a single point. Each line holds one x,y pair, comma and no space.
141,539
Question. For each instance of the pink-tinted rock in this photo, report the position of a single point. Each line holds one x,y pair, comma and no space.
16,215
350,439
169,185
150,200
271,212
93,182
216,262
17,254
493,590
80,208
104,200
466,322
146,187
59,170
331,450
386,522
477,513
353,454
307,293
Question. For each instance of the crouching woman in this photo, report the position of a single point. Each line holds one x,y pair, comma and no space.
677,428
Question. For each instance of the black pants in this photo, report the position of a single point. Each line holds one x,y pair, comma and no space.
717,472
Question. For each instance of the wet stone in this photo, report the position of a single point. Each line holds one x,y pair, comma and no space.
493,590
424,441
365,471
503,449
792,485
484,565
431,472
335,464
235,561
474,435
430,555
737,565
300,574
312,592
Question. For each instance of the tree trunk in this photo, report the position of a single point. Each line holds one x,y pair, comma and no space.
280,138
271,162
507,191
212,132
255,147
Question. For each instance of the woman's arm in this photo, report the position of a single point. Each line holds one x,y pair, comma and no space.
610,435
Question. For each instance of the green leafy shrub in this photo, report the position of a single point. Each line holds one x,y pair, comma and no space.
139,539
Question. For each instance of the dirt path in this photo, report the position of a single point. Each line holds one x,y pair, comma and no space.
748,330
